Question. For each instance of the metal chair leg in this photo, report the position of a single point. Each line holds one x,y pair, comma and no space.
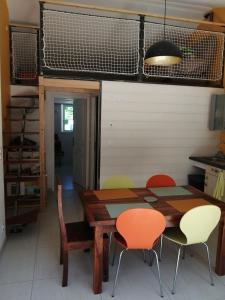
160,249
209,264
117,273
159,276
184,252
144,256
176,270
151,258
160,252
114,254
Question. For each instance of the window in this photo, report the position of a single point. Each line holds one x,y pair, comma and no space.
67,117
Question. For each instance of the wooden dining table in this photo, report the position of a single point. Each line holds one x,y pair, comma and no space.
98,217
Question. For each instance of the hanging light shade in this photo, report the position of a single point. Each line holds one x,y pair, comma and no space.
164,52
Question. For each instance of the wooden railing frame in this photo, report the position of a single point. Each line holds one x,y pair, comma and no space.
129,12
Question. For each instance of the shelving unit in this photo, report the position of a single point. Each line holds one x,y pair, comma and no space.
23,178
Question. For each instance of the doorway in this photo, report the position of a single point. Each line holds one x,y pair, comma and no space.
63,140
71,135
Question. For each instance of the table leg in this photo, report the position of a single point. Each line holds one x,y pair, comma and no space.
220,257
97,264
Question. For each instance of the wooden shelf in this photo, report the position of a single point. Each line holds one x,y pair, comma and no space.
25,96
24,218
28,147
22,107
20,120
18,161
23,201
19,132
22,161
22,178
26,204
23,197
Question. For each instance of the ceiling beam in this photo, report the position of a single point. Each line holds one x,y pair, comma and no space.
79,86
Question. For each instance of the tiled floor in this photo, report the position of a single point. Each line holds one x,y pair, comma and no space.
65,173
30,270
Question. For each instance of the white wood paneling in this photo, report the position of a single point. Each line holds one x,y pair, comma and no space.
152,128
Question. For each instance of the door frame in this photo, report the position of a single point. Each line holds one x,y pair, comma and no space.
62,86
87,99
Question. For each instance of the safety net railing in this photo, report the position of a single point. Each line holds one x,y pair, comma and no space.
84,42
202,52
87,43
24,55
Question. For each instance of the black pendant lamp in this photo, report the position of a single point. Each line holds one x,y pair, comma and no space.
163,53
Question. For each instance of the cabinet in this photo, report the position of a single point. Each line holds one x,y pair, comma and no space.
211,176
22,160
217,113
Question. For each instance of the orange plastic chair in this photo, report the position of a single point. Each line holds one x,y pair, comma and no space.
160,180
139,228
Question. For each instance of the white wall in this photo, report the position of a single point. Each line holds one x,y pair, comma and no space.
152,128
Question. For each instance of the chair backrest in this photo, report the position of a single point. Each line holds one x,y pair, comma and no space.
140,227
60,213
160,180
118,182
198,223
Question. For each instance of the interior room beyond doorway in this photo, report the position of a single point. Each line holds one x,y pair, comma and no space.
63,140
70,136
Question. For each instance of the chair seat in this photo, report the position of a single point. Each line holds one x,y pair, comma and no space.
79,232
176,235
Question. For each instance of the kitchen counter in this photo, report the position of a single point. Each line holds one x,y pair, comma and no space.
210,160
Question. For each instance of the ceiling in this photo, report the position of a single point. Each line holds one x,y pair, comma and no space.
27,11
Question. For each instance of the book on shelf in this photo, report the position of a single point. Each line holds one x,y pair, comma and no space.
23,188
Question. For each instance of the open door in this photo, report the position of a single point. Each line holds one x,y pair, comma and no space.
81,142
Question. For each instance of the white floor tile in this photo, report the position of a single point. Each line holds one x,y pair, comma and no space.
30,269
192,281
16,265
80,263
17,291
47,289
136,280
47,263
49,236
25,240
80,287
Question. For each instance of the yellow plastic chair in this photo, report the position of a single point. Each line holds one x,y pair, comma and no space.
118,182
195,228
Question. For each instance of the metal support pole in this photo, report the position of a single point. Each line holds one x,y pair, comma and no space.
141,48
41,44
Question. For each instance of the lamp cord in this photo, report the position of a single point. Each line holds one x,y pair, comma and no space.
164,21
